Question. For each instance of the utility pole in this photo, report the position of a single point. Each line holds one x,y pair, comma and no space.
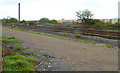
19,12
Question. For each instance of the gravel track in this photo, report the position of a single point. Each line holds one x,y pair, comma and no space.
82,56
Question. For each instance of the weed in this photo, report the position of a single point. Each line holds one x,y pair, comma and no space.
77,33
12,37
108,46
45,59
18,47
19,63
30,53
62,34
6,40
93,43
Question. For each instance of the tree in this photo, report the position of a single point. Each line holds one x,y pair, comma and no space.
4,20
13,20
23,21
84,16
53,21
44,20
10,20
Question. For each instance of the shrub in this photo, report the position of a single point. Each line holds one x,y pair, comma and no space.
53,21
115,26
44,20
99,26
23,21
77,33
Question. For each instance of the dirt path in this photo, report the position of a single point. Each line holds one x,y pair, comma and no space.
85,57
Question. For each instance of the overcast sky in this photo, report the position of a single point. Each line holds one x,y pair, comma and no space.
57,9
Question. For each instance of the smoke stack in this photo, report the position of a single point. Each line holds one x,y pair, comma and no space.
119,11
19,11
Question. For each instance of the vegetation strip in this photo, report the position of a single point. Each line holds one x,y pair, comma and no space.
50,35
14,61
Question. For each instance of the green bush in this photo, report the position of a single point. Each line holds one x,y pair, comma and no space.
77,33
53,21
23,21
19,63
100,26
97,24
44,20
94,22
115,26
9,20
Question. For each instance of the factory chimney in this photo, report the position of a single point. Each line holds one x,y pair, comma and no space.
19,11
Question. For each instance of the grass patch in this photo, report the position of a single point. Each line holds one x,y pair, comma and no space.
13,61
108,46
12,37
30,53
19,63
0,49
8,40
18,47
93,43
5,40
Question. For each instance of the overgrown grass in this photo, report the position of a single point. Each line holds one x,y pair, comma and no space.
19,63
5,40
8,40
13,61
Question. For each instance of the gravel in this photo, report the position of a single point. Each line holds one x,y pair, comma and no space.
47,62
